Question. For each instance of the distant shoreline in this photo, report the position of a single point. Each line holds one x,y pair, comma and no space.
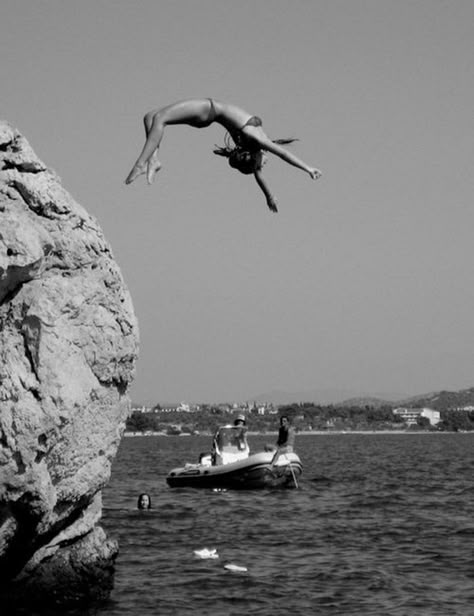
303,433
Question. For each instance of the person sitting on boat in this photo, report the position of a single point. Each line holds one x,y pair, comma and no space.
144,502
245,148
286,438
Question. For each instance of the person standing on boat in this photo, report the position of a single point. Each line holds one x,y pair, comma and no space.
240,432
286,438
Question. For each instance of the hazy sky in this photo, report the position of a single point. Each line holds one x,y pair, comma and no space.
364,280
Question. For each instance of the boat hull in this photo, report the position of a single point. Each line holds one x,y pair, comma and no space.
252,473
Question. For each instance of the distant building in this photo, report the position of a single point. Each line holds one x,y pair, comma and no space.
410,415
141,409
265,408
184,408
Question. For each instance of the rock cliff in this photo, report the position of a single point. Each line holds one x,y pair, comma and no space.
68,346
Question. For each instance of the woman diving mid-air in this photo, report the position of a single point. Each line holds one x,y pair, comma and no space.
246,154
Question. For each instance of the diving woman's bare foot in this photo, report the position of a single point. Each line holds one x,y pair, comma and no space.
134,173
153,167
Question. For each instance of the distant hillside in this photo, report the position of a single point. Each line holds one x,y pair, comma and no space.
366,401
326,396
442,400
438,400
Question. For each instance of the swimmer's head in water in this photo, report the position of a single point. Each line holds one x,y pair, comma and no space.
144,502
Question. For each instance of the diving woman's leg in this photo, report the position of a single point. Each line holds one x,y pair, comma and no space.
148,159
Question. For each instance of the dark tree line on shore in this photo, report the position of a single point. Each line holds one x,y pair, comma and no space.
304,417
456,421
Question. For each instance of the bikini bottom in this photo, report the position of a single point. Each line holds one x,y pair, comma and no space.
253,121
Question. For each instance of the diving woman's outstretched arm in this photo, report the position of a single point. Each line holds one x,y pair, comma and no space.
258,134
271,201
290,158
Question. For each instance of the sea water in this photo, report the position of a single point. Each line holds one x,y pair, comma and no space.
379,524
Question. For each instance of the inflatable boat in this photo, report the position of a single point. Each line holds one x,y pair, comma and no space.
230,466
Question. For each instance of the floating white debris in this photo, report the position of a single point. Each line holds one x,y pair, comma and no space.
236,568
205,553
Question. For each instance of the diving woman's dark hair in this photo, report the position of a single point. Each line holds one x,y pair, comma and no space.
241,155
243,160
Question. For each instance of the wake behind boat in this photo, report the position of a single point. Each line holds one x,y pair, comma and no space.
231,467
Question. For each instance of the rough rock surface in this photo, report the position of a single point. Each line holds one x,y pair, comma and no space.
68,346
